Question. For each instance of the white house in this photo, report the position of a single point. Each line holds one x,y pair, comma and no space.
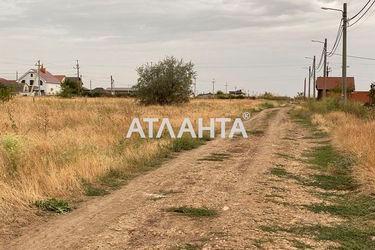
49,84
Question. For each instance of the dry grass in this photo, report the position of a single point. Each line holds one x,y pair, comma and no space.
50,146
356,136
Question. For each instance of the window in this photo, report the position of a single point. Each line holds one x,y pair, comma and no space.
51,89
31,82
41,83
31,75
23,81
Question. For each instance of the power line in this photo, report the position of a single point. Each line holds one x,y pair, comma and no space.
357,57
338,40
364,7
360,18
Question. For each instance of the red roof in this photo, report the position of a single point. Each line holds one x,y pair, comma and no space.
334,83
60,77
6,81
48,77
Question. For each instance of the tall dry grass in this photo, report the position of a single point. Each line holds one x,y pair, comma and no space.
50,146
356,136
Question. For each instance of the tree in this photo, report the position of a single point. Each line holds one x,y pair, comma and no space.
372,93
167,82
5,93
70,88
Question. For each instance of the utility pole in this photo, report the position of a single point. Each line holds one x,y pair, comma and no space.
16,76
38,77
79,83
314,77
325,75
195,86
90,86
344,51
213,87
226,88
304,89
309,91
112,83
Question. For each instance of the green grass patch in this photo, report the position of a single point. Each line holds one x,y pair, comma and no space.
216,157
186,143
54,205
193,212
91,190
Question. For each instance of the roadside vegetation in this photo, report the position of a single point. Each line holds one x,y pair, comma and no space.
352,128
345,194
55,150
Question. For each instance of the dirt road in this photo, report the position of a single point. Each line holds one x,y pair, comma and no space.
231,177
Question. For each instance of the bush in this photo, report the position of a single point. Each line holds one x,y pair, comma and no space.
167,82
5,93
54,205
70,88
335,104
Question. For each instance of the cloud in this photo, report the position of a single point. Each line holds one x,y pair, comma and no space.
239,41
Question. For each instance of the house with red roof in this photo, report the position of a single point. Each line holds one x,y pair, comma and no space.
48,84
333,85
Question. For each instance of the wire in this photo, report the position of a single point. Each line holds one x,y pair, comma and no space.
360,18
357,57
337,41
368,2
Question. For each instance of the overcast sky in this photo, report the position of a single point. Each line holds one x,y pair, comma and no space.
255,45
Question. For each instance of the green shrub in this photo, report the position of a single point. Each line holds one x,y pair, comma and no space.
335,104
12,145
167,82
54,205
5,93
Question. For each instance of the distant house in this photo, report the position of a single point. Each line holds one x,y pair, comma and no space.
49,84
237,93
333,84
121,91
361,96
15,87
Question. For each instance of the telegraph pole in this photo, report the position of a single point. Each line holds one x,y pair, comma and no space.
112,83
314,77
38,77
304,89
195,86
344,51
309,91
77,67
90,86
325,75
226,88
213,87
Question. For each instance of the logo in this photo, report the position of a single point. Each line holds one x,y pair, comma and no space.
195,130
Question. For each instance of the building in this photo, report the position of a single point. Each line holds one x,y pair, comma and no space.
121,91
49,84
332,85
237,93
361,96
12,84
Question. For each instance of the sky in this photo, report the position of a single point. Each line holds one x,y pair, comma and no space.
254,45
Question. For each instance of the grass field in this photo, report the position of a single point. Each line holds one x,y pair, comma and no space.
64,148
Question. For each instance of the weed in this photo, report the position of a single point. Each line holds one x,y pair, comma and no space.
54,205
185,143
91,190
193,212
216,157
12,145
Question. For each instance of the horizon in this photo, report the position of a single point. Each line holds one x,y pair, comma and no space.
230,41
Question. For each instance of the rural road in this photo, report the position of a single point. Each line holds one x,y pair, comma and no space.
230,176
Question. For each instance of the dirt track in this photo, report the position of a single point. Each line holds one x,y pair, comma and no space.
240,188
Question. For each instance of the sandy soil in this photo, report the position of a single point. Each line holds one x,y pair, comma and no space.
240,188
